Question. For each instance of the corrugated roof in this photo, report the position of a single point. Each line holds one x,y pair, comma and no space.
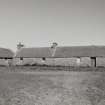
34,52
6,53
80,51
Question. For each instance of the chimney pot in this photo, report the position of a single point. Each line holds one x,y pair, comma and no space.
54,45
19,46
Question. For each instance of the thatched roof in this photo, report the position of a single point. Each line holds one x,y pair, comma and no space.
34,52
6,53
80,51
62,52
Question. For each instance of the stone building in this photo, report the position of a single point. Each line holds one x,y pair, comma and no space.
62,55
83,55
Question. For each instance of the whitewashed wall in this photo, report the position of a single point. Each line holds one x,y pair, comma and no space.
17,61
85,61
3,62
100,61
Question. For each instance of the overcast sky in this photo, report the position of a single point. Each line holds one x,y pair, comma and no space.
41,22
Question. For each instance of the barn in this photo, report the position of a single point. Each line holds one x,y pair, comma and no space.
6,56
62,55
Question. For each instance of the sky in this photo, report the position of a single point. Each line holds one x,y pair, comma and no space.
42,22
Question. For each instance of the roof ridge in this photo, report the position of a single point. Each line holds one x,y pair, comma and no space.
82,46
34,47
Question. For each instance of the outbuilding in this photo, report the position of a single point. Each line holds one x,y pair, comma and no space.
35,55
92,55
6,56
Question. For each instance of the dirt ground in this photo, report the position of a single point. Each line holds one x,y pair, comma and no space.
52,88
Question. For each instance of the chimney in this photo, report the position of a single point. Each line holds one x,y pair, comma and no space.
53,48
54,45
19,46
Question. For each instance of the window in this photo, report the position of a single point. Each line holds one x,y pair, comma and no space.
43,58
6,59
21,58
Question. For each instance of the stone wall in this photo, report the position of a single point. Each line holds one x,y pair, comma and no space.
84,61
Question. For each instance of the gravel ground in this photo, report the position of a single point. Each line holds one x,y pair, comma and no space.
52,88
